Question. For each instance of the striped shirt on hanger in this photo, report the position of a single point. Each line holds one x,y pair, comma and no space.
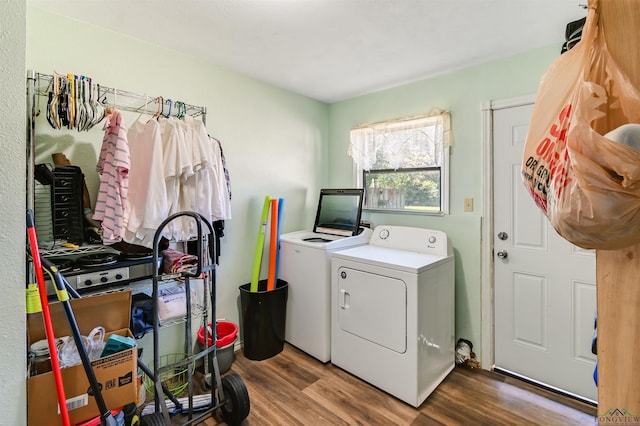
113,166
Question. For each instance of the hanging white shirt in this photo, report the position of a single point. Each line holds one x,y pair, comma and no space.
222,202
203,155
185,227
146,205
175,164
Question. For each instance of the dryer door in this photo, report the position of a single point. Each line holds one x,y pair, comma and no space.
373,307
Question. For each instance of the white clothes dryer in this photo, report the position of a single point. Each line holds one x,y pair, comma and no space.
305,264
393,311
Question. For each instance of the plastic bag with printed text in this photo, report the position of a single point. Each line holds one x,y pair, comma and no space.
579,164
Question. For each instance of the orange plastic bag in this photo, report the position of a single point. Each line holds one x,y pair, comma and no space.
587,185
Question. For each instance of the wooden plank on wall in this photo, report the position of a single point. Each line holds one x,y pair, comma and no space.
618,271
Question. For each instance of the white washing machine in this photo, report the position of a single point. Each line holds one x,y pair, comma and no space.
305,264
393,311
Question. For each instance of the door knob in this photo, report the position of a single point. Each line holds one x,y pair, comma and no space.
502,254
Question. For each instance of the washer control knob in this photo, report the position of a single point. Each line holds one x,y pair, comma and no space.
384,234
432,239
104,279
119,276
343,275
88,282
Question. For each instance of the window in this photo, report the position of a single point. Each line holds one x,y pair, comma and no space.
403,164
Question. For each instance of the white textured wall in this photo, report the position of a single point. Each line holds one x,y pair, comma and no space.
12,212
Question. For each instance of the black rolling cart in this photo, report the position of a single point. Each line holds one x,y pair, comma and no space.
229,393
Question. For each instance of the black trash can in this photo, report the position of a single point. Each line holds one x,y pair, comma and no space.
263,319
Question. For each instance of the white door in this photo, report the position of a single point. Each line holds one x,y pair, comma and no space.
544,289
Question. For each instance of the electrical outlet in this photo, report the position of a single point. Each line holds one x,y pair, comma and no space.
468,204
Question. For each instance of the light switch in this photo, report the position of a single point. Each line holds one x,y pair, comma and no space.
468,204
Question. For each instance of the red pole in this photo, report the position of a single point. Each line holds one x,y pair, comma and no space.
46,316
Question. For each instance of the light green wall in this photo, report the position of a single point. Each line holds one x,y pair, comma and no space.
462,93
275,142
13,365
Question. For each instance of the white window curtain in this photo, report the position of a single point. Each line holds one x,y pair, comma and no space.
397,142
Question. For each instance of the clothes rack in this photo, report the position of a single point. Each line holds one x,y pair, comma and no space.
39,84
120,99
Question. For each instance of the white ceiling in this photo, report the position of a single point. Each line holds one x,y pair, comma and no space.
333,50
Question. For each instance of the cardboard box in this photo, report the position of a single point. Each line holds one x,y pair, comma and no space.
116,373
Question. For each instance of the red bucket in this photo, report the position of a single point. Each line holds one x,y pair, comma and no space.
226,331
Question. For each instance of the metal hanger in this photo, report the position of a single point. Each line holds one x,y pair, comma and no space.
98,108
160,103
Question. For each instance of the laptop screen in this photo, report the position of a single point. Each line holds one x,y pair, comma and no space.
339,212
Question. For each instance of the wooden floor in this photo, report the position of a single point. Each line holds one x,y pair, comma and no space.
293,388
